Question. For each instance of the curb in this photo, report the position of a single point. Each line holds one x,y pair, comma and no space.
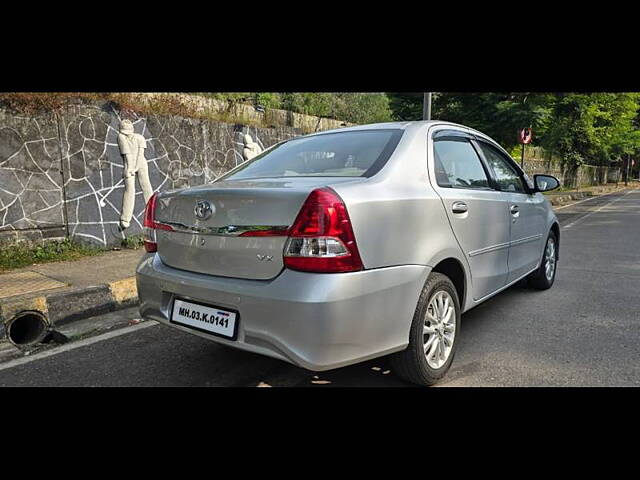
559,199
65,307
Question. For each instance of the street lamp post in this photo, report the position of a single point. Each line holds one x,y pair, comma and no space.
426,106
626,177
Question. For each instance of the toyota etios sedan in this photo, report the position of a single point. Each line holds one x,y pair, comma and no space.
341,246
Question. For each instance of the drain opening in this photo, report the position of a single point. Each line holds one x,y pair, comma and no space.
27,328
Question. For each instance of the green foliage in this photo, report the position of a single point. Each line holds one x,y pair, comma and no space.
363,108
348,106
24,254
320,104
594,128
499,115
268,100
405,106
133,242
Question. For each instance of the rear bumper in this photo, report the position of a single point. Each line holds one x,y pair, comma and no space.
315,321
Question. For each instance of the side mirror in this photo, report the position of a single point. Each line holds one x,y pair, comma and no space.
544,183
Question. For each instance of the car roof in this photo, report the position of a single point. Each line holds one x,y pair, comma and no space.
414,127
408,125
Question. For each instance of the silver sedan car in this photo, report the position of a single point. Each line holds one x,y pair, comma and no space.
337,247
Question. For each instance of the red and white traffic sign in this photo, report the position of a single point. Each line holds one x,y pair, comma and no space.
526,135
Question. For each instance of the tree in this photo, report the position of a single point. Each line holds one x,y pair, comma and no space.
499,115
363,108
309,103
594,127
405,106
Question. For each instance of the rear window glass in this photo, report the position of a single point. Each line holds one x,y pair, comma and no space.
344,154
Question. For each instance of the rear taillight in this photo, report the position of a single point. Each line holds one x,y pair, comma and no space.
321,239
150,225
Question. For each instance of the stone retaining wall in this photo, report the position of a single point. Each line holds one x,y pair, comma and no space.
537,160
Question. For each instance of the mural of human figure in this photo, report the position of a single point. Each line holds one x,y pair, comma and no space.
132,146
251,148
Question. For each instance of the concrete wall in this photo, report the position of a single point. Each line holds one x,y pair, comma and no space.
537,160
31,194
62,173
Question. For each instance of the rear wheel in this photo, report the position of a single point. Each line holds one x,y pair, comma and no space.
434,330
545,275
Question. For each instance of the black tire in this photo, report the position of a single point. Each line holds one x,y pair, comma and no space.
411,364
538,279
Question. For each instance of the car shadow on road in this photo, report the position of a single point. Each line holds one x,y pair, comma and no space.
372,373
378,372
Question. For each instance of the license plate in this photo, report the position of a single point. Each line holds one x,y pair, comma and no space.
205,318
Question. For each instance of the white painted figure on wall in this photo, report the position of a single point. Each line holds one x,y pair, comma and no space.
132,146
251,148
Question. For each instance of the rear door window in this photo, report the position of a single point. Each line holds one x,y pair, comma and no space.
457,164
358,153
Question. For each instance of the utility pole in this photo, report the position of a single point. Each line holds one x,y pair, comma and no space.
626,177
426,106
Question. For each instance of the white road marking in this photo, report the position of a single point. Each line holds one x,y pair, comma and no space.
579,219
77,344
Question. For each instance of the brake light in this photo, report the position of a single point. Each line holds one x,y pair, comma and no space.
321,239
150,225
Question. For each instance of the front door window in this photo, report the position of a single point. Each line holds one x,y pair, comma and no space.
506,176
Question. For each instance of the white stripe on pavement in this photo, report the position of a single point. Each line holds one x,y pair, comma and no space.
579,219
77,344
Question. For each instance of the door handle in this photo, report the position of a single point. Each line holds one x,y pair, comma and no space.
459,207
515,212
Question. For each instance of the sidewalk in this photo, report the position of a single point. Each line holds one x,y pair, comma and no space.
67,291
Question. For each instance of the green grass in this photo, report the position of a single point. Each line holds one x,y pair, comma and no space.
25,254
134,242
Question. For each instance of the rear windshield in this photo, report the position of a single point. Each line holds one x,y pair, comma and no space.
360,153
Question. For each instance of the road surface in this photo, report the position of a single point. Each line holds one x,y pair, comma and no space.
585,331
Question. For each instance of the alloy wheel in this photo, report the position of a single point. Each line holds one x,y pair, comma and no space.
439,329
550,259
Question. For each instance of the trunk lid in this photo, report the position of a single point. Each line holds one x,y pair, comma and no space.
212,245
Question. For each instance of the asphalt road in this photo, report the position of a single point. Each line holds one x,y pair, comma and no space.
585,331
